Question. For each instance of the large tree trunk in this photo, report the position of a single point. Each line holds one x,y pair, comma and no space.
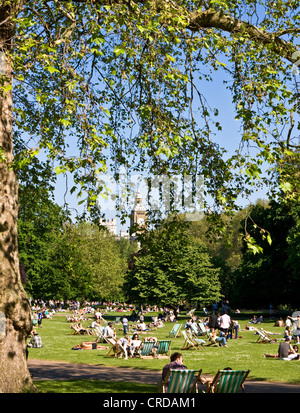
15,314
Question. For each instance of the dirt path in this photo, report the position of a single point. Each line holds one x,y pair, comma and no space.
58,370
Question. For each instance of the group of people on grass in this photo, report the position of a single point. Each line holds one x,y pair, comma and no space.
220,327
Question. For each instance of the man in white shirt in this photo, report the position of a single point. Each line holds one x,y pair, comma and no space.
98,315
225,323
109,331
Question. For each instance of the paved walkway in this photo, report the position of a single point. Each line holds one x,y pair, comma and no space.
57,370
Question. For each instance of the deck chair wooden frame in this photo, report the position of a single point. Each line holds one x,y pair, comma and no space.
268,336
114,348
175,330
99,333
228,381
181,381
76,331
191,342
263,338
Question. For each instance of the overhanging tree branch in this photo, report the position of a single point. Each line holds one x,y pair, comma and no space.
220,20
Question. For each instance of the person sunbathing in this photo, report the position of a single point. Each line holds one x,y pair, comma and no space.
92,345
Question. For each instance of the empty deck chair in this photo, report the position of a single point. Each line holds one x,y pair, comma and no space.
228,381
181,381
175,330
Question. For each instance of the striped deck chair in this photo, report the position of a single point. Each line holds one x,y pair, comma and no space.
175,330
191,342
181,381
228,381
163,349
191,312
195,330
203,331
146,350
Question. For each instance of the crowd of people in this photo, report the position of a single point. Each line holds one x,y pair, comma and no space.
219,325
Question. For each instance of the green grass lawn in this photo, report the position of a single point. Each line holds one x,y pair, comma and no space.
243,353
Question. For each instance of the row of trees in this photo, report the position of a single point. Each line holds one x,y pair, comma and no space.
178,260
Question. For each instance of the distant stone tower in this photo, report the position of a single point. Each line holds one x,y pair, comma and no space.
138,214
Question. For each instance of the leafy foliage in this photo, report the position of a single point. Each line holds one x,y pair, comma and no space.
172,268
271,278
100,85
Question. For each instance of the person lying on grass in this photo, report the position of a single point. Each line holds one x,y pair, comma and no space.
90,345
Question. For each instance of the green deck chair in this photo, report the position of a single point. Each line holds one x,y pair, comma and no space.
203,331
175,330
195,330
163,348
181,381
228,381
147,348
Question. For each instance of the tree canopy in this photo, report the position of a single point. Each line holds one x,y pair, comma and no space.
172,268
99,85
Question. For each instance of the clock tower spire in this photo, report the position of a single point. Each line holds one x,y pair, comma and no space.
138,213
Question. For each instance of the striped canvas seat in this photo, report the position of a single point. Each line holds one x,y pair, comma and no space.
202,329
181,381
175,330
113,349
147,348
163,348
228,381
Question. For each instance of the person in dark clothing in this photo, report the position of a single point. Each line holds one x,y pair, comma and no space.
213,321
176,362
286,351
